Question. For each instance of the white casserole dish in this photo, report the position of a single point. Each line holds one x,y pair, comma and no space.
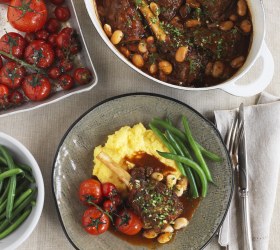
258,50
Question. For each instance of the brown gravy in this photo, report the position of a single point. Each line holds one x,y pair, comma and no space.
143,159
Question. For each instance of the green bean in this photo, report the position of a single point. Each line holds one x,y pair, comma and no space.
208,154
13,183
168,145
193,165
166,125
19,208
10,173
182,136
196,150
16,224
22,197
24,167
2,160
189,174
5,193
3,206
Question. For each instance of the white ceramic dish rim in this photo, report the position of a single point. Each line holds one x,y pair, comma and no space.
37,210
230,85
118,97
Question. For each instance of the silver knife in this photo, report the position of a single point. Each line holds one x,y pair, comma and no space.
243,186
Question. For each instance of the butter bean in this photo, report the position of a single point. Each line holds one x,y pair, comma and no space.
142,46
165,67
167,229
157,176
246,26
192,23
180,223
117,37
108,30
171,180
208,69
241,7
218,69
237,62
125,51
138,60
226,25
150,234
181,54
164,238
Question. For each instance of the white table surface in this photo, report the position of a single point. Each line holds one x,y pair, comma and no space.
41,130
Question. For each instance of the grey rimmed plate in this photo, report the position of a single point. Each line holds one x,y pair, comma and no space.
73,164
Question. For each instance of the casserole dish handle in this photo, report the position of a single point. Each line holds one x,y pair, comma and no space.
258,85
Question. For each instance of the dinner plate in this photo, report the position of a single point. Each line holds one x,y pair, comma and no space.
74,157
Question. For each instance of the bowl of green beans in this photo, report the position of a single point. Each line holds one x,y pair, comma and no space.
21,193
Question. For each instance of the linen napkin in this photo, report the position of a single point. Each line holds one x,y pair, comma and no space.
262,129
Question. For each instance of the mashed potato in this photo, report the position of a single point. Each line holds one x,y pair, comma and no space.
125,143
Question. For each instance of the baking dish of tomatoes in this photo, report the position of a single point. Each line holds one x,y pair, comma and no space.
43,54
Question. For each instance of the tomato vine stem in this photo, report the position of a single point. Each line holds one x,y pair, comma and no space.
21,62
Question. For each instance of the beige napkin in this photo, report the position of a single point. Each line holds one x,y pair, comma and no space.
262,128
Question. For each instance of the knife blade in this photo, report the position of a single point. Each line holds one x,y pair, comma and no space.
243,184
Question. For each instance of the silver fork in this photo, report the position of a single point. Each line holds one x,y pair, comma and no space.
233,139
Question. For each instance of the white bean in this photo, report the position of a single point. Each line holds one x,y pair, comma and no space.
178,190
164,238
108,30
157,176
117,37
180,223
171,180
168,229
150,234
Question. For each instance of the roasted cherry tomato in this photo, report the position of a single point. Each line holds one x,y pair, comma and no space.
4,92
109,206
57,2
54,73
64,38
128,222
1,62
27,15
95,222
109,189
116,199
82,76
39,53
12,74
53,25
15,97
59,53
66,81
13,43
42,35
62,13
36,87
90,191
66,65
52,40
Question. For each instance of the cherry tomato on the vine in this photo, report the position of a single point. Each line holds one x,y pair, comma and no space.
27,15
1,62
109,206
66,81
95,222
54,72
62,13
40,53
109,189
53,25
128,222
15,97
64,37
4,92
90,191
13,43
12,74
52,40
66,65
82,76
36,87
42,34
